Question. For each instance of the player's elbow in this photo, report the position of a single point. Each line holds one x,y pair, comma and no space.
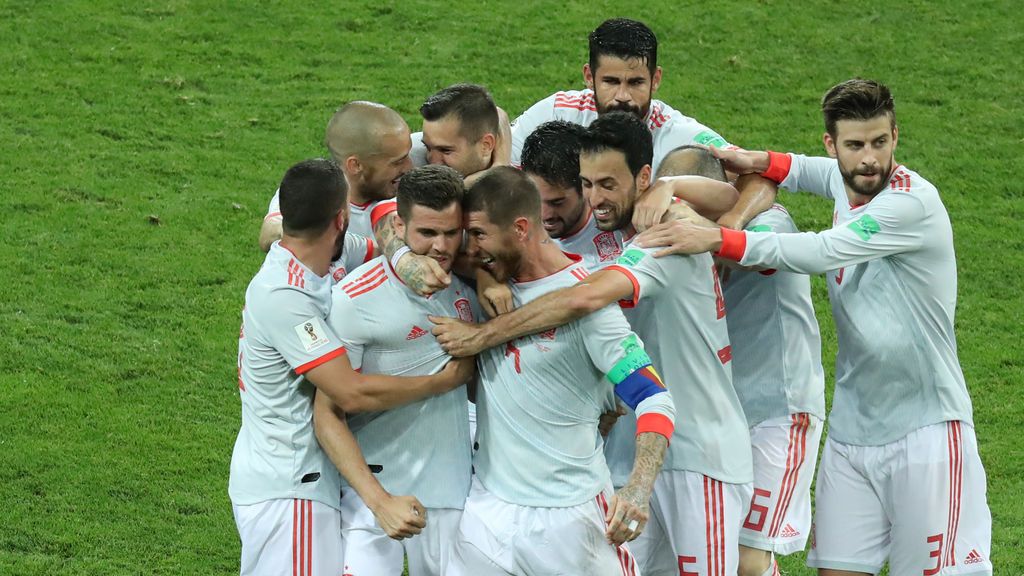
270,232
583,300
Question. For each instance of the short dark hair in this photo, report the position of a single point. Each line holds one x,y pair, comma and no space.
552,152
311,194
691,160
856,99
470,103
504,194
436,187
626,39
620,131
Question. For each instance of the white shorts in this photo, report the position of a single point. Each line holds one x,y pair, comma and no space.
370,552
694,526
785,449
918,502
502,539
289,537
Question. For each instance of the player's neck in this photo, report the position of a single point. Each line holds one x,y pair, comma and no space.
314,254
584,218
356,197
541,259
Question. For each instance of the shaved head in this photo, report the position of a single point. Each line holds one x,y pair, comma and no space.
358,128
371,143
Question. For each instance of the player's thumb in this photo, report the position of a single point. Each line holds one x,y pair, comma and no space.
439,272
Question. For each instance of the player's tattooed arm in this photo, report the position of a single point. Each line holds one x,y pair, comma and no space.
399,516
629,509
424,275
550,310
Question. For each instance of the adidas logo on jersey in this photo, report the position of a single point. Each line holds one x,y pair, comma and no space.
789,532
415,333
974,557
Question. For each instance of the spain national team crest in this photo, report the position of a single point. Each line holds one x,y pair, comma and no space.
338,273
608,247
464,310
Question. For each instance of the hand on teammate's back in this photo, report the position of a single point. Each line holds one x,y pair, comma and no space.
680,237
741,161
609,418
400,516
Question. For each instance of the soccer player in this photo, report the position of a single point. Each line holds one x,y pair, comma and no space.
900,477
676,306
461,129
777,372
541,502
423,447
284,490
371,143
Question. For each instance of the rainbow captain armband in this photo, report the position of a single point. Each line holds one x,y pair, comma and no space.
638,384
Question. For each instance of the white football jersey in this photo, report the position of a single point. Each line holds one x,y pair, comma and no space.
284,335
359,247
423,447
597,247
678,309
669,128
776,346
891,274
539,401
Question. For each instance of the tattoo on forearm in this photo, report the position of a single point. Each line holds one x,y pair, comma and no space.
387,238
650,455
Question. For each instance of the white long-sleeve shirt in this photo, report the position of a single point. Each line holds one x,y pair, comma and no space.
891,274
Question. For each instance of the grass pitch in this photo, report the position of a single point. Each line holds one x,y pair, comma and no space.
142,142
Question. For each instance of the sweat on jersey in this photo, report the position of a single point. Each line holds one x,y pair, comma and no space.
776,345
283,336
670,128
677,307
540,398
423,447
891,275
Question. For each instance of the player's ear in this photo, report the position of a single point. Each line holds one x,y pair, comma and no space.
644,177
830,144
895,135
588,76
399,225
656,80
352,166
522,227
487,142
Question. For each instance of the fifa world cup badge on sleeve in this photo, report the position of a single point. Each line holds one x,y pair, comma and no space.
312,334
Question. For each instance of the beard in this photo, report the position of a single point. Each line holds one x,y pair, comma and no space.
506,265
849,177
637,111
339,243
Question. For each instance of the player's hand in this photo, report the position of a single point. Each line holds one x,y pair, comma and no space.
609,418
400,516
495,297
422,273
458,371
651,207
502,155
627,514
741,161
680,237
456,337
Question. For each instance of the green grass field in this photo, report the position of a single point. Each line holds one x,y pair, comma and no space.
142,142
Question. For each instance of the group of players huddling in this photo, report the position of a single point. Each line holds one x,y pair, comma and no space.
608,290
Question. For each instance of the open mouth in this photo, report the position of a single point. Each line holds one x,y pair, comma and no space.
602,213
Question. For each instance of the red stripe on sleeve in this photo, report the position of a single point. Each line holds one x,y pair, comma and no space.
734,244
636,286
381,210
369,251
778,166
325,358
656,423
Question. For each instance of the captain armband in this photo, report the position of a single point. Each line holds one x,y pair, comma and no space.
639,385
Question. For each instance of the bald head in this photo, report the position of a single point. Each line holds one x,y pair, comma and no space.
359,127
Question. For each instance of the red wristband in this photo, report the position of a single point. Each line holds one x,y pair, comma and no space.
778,166
734,244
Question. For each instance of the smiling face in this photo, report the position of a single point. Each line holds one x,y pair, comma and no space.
433,233
610,188
864,150
446,144
619,84
562,209
495,247
380,172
